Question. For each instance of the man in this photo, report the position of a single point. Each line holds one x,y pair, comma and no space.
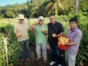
75,36
55,29
21,31
41,30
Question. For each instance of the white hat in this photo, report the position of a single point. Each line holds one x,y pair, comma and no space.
20,16
41,18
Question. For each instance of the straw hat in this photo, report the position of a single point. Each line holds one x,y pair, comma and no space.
21,16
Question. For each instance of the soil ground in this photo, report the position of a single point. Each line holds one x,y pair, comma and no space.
40,62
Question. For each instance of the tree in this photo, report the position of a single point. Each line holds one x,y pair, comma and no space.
55,5
71,6
9,14
1,14
83,7
35,7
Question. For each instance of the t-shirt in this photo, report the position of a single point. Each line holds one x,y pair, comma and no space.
40,36
23,30
57,28
75,36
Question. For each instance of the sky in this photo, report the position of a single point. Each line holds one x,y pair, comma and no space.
10,2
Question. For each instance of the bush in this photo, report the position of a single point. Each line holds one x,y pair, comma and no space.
13,48
83,49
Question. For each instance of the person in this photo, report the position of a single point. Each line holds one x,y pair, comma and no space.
21,31
75,35
41,30
55,29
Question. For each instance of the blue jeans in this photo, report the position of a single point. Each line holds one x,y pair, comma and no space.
25,49
55,53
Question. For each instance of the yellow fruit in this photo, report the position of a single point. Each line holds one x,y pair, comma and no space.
66,40
63,40
53,35
44,29
18,34
36,23
62,43
59,43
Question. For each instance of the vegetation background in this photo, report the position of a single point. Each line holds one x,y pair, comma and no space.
62,9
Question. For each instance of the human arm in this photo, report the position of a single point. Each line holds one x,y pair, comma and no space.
76,39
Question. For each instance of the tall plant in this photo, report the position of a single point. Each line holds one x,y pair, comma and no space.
55,5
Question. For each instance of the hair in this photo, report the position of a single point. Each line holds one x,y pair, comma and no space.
52,15
74,19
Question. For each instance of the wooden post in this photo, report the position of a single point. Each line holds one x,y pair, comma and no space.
6,49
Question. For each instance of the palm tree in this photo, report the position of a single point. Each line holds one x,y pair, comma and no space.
76,10
54,5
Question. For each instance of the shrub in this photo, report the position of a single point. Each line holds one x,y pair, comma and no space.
13,48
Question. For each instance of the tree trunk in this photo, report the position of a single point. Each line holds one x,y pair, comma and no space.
76,8
56,10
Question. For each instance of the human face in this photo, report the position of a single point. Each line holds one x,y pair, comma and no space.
41,22
52,19
73,25
21,21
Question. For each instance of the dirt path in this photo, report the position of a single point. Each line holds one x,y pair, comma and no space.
40,62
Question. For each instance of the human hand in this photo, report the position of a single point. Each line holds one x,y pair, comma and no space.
18,34
54,35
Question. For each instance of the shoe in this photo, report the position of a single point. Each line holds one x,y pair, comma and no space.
26,63
20,63
52,63
37,59
27,59
44,61
59,65
21,60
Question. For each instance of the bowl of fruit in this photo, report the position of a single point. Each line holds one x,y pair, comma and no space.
61,42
